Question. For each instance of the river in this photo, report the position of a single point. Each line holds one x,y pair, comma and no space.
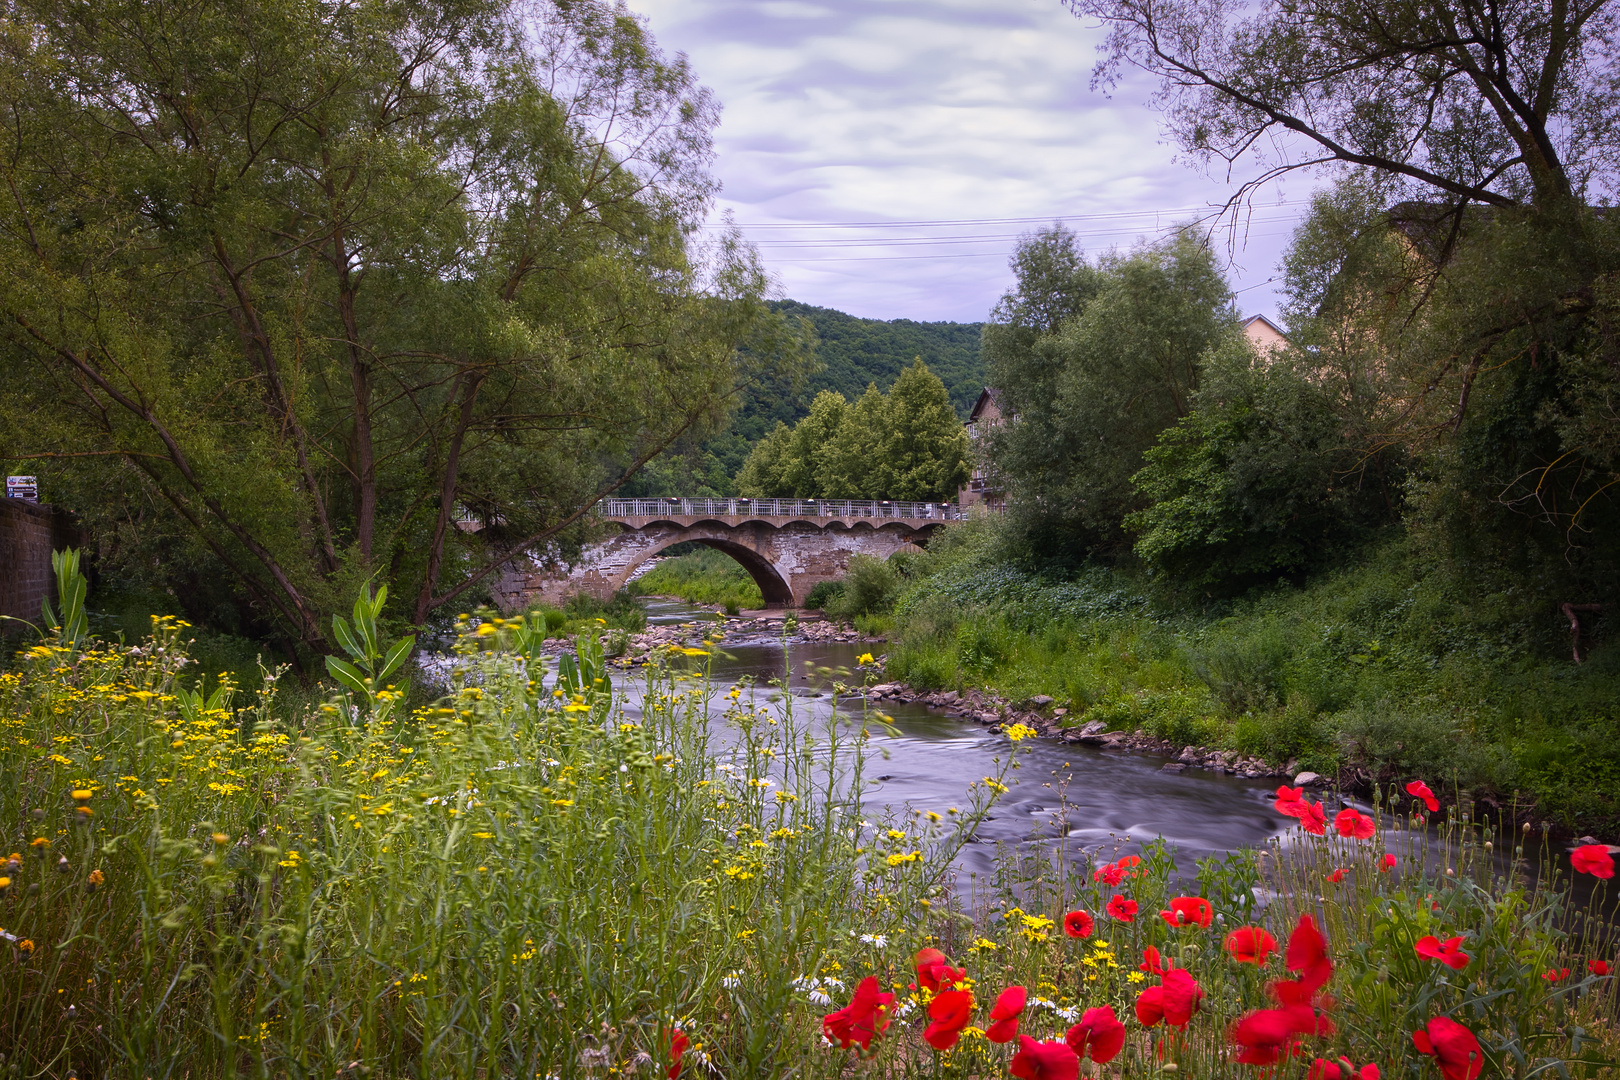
1101,800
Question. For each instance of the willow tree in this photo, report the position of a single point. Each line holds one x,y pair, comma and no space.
326,279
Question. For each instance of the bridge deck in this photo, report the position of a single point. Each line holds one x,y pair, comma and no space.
637,512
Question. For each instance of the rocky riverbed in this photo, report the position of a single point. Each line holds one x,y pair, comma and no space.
996,712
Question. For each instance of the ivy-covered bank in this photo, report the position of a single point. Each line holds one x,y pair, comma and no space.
1386,668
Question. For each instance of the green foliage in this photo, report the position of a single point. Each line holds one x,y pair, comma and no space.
702,576
362,641
449,271
869,588
585,859
923,451
855,353
1259,480
1392,667
1095,362
622,611
71,589
823,594
906,445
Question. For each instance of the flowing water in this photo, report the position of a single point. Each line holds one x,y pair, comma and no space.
1099,800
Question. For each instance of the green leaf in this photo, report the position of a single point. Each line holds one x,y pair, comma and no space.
346,638
396,656
347,674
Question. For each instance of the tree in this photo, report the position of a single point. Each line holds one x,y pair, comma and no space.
808,449
906,445
1262,478
322,279
853,464
1474,101
761,474
924,453
1091,395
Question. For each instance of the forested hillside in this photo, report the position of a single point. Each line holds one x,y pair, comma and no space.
851,353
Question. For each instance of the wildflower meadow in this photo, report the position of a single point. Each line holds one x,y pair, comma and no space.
540,875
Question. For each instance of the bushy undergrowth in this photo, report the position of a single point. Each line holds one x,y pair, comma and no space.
1387,666
702,576
521,880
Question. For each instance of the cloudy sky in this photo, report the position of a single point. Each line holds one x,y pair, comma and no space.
886,154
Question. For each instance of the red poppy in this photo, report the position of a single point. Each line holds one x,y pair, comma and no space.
678,1042
1452,1046
1151,961
950,1013
1289,800
1419,790
1338,875
1189,911
1109,874
1555,974
1099,1034
1150,1006
934,973
1004,1014
1388,863
1312,818
1306,1005
1250,945
1322,1069
1307,954
1078,924
1593,859
1128,863
1043,1061
1448,952
858,1023
1122,909
1352,822
1182,997
1598,967
1265,1036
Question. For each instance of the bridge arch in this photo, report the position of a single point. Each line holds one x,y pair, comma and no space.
772,586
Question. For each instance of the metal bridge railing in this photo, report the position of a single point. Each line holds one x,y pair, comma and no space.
839,508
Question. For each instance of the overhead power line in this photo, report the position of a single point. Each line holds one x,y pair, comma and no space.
941,223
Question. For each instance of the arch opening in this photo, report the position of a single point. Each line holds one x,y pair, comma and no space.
772,587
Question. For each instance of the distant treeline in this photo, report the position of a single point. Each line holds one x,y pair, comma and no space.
906,444
851,354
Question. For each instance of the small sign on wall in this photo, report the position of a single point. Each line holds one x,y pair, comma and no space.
25,488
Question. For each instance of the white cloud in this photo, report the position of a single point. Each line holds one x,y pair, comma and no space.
937,110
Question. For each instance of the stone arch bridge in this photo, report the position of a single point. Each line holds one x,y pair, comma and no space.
788,546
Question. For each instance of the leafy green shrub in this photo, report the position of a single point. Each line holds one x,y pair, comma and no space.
870,588
1181,716
978,648
1278,735
1245,666
1398,738
824,595
623,611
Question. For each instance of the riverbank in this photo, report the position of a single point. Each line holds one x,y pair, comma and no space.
672,885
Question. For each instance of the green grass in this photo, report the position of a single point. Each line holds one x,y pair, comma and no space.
1387,666
702,576
520,881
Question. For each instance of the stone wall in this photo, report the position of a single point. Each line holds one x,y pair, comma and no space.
29,532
